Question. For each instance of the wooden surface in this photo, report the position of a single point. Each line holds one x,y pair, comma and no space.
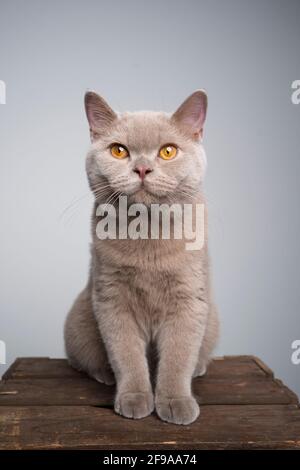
45,404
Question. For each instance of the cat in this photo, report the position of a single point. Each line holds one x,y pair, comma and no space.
146,301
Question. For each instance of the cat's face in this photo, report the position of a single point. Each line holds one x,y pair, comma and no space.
148,156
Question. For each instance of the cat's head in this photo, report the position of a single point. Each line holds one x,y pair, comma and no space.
148,156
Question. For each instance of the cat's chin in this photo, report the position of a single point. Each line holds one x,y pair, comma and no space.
142,196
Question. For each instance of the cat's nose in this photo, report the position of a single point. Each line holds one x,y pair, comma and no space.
142,171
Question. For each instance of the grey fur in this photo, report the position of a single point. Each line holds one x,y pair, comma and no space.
146,300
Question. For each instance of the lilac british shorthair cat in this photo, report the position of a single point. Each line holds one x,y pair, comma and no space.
146,318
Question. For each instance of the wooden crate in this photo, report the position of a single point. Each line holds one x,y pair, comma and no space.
45,404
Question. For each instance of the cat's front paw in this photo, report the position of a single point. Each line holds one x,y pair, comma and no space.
182,410
134,405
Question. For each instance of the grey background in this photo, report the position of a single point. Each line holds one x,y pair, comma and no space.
151,55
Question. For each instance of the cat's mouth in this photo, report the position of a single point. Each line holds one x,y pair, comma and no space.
148,194
143,195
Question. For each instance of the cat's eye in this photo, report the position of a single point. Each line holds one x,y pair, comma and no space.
119,151
168,151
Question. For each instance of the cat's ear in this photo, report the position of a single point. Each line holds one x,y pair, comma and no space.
191,114
99,114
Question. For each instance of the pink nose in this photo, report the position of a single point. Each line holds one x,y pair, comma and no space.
142,171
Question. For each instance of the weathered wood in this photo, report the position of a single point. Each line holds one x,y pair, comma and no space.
44,367
45,404
263,366
234,366
81,427
85,391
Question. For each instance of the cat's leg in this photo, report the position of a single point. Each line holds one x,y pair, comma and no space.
127,348
209,341
84,346
178,344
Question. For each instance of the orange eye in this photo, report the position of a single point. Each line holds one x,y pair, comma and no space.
118,151
167,152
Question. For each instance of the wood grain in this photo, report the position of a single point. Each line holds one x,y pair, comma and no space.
44,367
85,391
45,404
85,427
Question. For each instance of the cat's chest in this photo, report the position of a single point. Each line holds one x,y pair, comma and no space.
151,297
167,257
